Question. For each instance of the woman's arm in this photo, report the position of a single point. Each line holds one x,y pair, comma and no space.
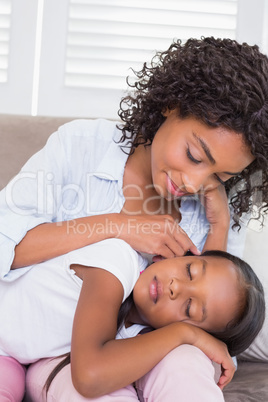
50,240
153,234
100,364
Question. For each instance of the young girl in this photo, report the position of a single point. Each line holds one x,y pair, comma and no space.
196,123
69,303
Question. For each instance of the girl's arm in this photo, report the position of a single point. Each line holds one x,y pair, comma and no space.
153,234
218,215
100,364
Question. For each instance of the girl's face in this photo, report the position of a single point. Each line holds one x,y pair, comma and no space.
202,291
187,156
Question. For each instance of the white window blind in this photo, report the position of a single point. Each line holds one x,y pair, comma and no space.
99,41
106,38
5,21
17,54
71,57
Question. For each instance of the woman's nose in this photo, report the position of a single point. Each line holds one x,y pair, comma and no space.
197,182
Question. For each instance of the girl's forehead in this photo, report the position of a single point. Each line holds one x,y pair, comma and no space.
216,264
217,261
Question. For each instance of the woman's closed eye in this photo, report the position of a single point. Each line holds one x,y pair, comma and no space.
219,179
191,157
197,162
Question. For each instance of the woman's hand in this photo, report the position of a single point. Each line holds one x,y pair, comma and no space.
218,215
153,234
216,205
216,351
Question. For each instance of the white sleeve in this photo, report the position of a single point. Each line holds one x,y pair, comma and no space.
49,187
115,256
29,198
196,225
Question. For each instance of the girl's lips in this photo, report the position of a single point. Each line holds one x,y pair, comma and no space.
173,189
155,290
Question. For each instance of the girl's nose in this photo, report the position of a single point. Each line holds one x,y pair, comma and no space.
175,288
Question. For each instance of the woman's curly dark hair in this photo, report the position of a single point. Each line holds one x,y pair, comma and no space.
219,82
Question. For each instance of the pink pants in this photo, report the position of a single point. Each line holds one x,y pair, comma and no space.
184,375
12,380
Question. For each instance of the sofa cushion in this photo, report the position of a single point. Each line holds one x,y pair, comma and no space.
21,137
249,383
256,254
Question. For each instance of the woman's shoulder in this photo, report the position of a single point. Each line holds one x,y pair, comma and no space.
95,128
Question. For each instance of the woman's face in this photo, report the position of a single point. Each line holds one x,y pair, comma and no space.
202,291
188,157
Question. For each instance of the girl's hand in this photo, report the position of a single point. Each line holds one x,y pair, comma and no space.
153,234
218,352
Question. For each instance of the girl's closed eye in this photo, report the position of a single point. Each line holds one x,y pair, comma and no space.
187,312
188,268
191,157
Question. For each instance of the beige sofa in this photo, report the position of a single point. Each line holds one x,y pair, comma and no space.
21,136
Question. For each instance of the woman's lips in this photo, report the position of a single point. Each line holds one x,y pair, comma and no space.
173,189
155,290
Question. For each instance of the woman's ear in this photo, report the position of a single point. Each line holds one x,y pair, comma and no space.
167,112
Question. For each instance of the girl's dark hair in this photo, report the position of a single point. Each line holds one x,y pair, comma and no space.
239,333
219,82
